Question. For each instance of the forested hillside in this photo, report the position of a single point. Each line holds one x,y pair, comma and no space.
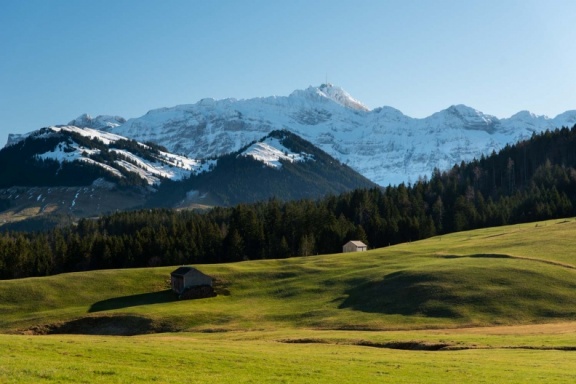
280,165
532,180
238,178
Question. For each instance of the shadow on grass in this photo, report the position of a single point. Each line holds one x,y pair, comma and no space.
117,325
160,297
403,293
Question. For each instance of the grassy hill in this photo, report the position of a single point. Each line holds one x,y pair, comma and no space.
508,275
370,317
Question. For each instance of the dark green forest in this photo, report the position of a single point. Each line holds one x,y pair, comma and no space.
531,180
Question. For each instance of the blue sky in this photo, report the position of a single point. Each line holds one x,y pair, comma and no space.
62,58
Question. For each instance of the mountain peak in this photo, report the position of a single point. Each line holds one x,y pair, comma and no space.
465,113
527,116
464,117
341,97
333,93
463,110
98,122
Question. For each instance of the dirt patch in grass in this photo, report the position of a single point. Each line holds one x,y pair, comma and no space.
544,348
403,345
214,330
304,341
529,329
123,325
417,345
412,345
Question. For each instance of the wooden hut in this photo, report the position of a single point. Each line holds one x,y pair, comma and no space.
354,246
185,278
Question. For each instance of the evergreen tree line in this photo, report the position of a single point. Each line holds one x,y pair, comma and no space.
532,180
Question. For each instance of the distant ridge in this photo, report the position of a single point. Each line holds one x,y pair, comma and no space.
382,144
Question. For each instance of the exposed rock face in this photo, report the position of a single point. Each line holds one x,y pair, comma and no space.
98,122
384,145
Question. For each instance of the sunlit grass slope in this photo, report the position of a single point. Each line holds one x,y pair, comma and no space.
507,275
219,358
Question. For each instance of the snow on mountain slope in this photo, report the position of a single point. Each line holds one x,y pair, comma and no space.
104,137
165,165
63,153
98,122
83,121
270,151
14,138
383,144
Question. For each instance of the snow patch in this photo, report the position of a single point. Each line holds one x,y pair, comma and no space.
74,200
167,165
271,152
104,137
98,122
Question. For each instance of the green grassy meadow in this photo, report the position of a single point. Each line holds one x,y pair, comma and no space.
170,358
491,305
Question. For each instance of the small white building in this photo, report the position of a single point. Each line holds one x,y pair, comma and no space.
354,246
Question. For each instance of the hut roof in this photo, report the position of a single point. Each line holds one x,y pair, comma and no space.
181,271
357,243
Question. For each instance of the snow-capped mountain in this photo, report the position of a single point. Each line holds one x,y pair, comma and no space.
86,172
383,144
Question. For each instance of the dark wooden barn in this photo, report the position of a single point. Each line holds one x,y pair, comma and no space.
185,278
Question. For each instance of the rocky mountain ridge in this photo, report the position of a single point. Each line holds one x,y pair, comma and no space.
382,144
